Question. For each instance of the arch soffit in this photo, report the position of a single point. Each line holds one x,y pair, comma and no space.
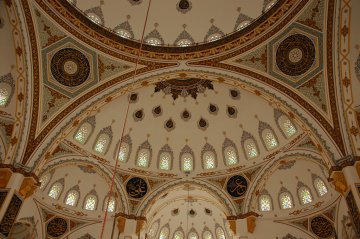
104,172
301,117
227,204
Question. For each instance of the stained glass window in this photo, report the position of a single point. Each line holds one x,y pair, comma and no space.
72,198
123,33
243,24
112,204
164,233
220,234
93,17
123,152
209,160
165,161
178,235
101,143
320,187
187,163
265,203
44,181
214,37
193,235
305,196
269,139
184,42
90,203
153,41
55,190
285,201
287,126
143,158
230,155
207,235
153,229
4,95
250,148
83,133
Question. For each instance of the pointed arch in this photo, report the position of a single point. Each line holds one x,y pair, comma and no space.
44,180
193,234
206,234
164,232
268,136
319,185
179,233
213,34
230,152
103,140
154,229
265,203
249,145
72,196
56,189
96,15
123,149
286,200
184,39
220,233
85,130
165,158
304,193
285,125
112,203
91,201
144,155
124,29
7,87
208,157
154,38
187,163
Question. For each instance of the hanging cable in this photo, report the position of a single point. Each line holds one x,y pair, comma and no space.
132,82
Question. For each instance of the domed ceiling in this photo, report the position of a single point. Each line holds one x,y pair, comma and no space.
190,21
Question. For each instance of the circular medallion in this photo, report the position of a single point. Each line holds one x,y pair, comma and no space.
70,67
322,227
237,186
57,227
295,55
136,187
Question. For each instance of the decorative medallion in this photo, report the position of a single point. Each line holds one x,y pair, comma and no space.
157,111
322,227
237,186
184,87
57,227
213,109
133,97
185,115
183,6
231,112
203,124
235,94
169,125
295,55
136,187
138,115
70,67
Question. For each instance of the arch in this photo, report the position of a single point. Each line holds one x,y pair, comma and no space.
165,158
286,200
7,87
187,163
230,152
285,125
154,229
103,140
268,136
265,202
144,155
91,201
220,234
72,196
179,233
164,232
56,189
112,203
123,149
206,234
319,186
208,156
193,234
304,194
249,145
44,180
85,130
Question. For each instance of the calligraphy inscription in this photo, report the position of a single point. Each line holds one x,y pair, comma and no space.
10,215
322,227
57,227
136,187
237,186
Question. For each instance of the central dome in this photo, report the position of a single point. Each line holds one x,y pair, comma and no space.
174,22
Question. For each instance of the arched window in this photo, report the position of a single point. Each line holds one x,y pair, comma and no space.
209,160
184,42
123,152
123,33
95,18
90,202
250,147
265,204
153,229
231,157
286,201
286,126
55,190
112,204
187,162
320,187
214,37
243,24
207,235
153,41
178,235
143,158
83,133
72,198
102,143
165,161
5,91
193,235
44,180
220,234
269,139
164,233
304,195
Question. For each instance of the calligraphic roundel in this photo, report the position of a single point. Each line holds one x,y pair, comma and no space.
237,186
136,187
57,227
322,227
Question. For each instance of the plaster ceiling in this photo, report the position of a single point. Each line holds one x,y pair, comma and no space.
200,20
